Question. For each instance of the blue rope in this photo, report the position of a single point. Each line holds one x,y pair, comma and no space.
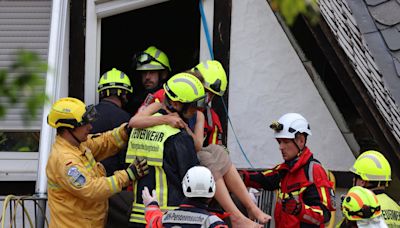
205,27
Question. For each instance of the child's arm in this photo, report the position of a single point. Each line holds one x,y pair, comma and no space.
198,134
146,119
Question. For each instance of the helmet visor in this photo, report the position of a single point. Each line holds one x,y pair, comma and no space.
201,102
365,211
90,115
143,58
216,86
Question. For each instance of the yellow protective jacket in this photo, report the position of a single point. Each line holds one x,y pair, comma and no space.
78,190
390,209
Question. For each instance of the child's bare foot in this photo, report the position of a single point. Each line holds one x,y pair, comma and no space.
242,221
256,213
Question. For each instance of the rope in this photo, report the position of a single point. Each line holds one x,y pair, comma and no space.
205,27
18,201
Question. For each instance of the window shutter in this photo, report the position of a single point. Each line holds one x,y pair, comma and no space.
24,24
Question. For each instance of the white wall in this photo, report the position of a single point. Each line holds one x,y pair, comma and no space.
267,79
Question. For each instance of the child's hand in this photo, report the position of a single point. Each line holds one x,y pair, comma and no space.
174,120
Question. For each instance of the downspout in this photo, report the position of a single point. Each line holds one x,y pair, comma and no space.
323,91
59,13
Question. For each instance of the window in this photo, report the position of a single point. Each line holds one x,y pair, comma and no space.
24,24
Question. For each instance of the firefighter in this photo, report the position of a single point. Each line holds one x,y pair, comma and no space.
305,195
215,157
373,171
113,88
170,151
198,186
361,209
77,186
153,68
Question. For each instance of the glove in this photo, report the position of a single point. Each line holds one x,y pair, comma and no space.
147,198
128,129
291,205
137,169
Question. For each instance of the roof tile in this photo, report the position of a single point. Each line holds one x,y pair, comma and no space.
397,66
362,16
386,13
392,38
375,2
396,54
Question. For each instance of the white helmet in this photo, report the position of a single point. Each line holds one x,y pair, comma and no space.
290,124
198,182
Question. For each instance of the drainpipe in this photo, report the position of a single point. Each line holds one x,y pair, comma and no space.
59,13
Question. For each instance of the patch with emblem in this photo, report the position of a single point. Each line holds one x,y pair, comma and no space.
76,177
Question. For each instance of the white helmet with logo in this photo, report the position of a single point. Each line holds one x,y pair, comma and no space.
290,124
198,182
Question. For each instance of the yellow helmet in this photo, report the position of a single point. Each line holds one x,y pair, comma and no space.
152,59
214,76
70,112
114,79
360,203
185,88
372,166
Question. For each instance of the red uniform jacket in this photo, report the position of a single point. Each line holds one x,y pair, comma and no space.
306,180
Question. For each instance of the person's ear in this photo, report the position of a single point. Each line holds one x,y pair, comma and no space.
300,140
163,75
176,105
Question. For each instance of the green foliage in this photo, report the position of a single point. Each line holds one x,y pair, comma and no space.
290,9
27,79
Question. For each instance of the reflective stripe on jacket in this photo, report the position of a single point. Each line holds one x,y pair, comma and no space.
77,187
212,127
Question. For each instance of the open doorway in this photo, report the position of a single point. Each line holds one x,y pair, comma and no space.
172,26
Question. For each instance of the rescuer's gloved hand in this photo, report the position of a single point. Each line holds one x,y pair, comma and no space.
291,205
147,198
137,169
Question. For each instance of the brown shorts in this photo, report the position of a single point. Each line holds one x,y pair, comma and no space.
216,158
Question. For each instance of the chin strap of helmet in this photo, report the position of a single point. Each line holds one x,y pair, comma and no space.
305,141
73,135
169,106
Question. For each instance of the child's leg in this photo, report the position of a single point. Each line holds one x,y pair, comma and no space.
224,199
236,185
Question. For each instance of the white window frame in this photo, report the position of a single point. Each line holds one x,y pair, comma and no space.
98,9
27,166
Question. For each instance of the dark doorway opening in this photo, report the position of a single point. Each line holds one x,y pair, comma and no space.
173,27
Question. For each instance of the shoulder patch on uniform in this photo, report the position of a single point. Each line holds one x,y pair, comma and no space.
75,177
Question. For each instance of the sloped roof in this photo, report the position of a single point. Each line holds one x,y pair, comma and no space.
369,33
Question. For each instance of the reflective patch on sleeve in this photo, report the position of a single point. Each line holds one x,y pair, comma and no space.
333,198
76,178
95,135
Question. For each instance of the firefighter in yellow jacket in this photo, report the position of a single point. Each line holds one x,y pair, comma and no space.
78,188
